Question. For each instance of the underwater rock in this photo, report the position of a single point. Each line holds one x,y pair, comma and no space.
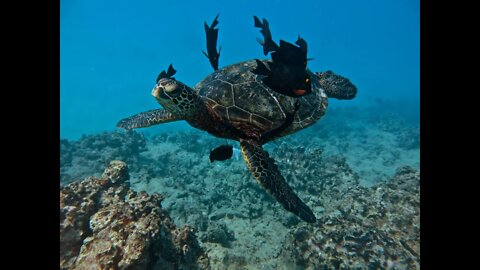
87,156
218,233
370,228
106,225
116,171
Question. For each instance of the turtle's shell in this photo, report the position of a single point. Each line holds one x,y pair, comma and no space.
239,97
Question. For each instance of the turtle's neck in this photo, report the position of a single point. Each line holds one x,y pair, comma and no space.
202,118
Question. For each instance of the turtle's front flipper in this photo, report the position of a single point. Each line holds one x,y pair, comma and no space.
146,119
267,174
212,35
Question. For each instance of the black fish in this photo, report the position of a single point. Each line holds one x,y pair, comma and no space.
290,54
212,35
286,73
170,72
286,53
289,80
221,153
268,44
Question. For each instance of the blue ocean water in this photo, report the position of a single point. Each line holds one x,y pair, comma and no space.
112,51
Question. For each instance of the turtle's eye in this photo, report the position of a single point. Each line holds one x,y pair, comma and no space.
170,88
166,90
171,93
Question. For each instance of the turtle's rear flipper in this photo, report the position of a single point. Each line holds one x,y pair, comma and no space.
212,35
336,86
146,119
267,174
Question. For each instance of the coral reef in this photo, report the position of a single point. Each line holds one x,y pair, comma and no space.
343,168
106,225
367,228
374,142
88,156
303,168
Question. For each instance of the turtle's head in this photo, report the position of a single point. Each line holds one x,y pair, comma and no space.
175,97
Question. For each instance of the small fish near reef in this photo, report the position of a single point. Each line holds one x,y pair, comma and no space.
221,153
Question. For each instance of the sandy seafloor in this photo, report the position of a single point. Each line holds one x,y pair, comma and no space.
238,224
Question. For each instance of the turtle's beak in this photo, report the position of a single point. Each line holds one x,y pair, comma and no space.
159,93
156,91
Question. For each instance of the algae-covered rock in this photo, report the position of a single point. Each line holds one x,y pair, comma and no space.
106,225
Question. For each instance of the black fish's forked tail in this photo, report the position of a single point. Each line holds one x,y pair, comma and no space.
212,35
286,53
268,44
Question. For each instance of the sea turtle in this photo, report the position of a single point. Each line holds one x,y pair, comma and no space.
234,103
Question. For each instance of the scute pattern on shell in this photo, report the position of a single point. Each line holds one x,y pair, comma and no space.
231,90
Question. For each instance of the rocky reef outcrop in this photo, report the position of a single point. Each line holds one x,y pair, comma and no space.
106,225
